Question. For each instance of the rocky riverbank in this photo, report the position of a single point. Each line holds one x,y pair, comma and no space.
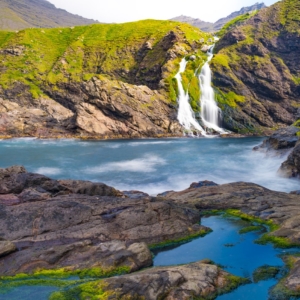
65,227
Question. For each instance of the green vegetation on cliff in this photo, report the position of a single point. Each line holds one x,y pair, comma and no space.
256,59
143,53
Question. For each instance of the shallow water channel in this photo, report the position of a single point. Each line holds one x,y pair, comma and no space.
236,253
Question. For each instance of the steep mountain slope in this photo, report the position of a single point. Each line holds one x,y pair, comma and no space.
213,27
256,70
20,14
101,80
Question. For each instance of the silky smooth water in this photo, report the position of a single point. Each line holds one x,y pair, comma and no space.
237,253
149,165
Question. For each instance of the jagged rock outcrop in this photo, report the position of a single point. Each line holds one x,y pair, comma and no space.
214,27
255,70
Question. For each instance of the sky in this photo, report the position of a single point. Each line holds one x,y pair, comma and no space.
119,11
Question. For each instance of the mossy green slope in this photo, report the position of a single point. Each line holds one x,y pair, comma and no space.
131,52
256,71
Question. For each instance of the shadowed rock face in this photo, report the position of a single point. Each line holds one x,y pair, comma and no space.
81,224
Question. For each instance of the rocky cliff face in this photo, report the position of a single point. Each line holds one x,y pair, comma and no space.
102,81
256,74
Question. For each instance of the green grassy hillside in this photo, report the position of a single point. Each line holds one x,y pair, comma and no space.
138,53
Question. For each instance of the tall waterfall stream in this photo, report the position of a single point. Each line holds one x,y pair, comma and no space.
210,112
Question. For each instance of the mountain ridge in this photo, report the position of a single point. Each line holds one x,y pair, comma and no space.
21,14
212,27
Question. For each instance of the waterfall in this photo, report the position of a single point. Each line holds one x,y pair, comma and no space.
210,112
186,116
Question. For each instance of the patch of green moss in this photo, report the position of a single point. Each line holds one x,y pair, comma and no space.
231,98
94,290
221,60
232,283
64,273
265,272
290,15
278,242
297,123
280,291
250,229
182,240
253,219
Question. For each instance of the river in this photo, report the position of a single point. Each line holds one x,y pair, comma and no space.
150,165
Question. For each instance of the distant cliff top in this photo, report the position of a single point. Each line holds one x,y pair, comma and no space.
211,27
20,14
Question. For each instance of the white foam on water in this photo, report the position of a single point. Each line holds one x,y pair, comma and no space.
145,164
48,171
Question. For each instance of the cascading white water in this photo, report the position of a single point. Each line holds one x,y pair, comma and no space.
210,112
186,116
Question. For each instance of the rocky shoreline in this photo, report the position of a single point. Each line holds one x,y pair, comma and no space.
67,227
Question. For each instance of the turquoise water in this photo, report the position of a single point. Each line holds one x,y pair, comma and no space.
152,166
28,293
236,253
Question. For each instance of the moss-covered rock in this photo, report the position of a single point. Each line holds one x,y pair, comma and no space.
257,60
265,273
